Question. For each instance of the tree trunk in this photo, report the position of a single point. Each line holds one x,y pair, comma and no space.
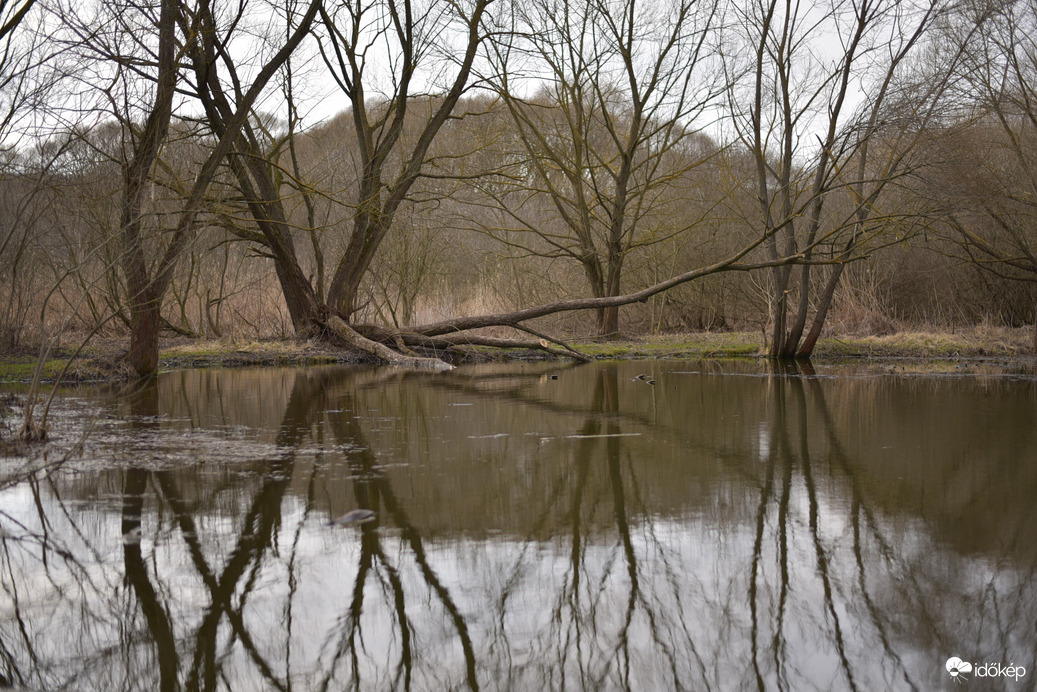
595,276
348,335
144,328
802,310
368,233
237,144
807,349
142,297
608,321
516,317
267,209
299,296
779,309
608,317
1035,328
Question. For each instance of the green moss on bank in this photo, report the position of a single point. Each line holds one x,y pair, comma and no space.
21,368
695,345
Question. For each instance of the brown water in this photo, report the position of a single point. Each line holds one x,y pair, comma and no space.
539,527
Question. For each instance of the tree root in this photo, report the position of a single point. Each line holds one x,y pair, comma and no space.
342,331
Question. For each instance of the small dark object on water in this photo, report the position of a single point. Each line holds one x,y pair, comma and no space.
353,516
650,381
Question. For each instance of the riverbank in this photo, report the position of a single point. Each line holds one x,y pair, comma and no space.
980,342
102,360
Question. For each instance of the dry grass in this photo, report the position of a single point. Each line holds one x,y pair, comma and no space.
973,342
237,352
860,320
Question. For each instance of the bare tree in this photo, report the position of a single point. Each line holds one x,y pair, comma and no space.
624,92
412,40
389,164
254,166
146,291
144,288
817,85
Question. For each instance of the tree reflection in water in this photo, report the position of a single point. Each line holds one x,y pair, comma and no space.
734,530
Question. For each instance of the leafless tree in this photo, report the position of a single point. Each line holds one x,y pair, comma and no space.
624,92
425,53
812,91
355,40
203,34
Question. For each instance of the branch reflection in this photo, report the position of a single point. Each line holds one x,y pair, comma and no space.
726,529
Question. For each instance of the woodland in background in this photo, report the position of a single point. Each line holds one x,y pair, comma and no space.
407,178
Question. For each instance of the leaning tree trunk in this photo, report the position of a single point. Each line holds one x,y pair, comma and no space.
795,332
370,226
344,291
299,296
807,349
350,337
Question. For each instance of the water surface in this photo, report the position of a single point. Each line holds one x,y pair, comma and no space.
732,526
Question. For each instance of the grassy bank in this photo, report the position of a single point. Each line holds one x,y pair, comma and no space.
980,342
101,361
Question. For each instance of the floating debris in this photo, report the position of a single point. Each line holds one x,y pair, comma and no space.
353,516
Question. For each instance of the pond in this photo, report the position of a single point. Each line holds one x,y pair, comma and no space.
633,525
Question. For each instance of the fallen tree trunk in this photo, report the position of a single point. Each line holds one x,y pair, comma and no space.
516,317
448,343
445,335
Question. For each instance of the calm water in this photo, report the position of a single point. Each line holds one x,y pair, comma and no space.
539,527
